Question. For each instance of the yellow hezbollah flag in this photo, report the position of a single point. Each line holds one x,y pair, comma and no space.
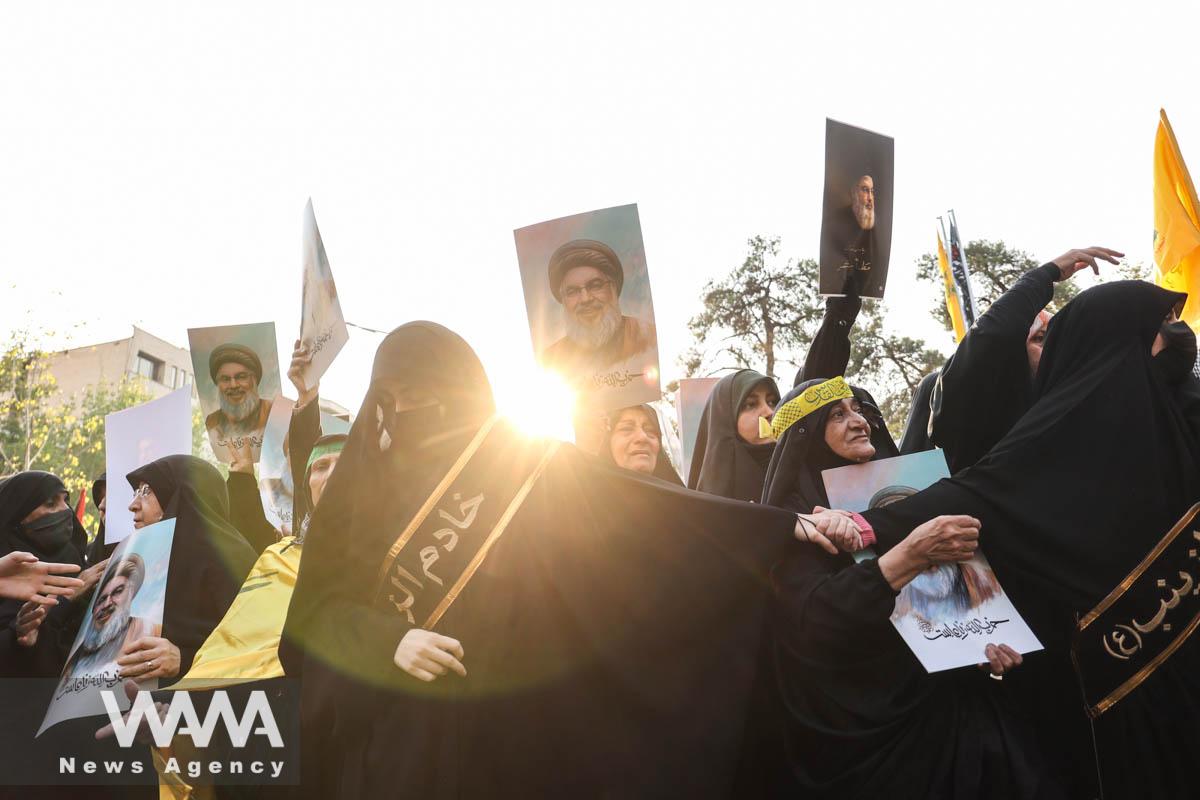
953,306
1176,224
245,645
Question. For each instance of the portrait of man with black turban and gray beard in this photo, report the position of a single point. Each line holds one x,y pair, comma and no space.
111,625
236,370
586,278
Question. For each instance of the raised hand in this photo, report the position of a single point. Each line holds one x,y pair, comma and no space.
301,358
1072,261
24,577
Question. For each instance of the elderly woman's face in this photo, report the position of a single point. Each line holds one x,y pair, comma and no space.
760,402
635,442
848,433
145,507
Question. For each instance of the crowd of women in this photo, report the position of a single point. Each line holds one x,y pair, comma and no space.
614,633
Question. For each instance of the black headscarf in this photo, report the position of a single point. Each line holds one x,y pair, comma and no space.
98,550
209,557
548,706
372,488
21,494
1075,496
59,538
723,463
794,477
662,465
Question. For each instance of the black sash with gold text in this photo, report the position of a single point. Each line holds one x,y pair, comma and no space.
1145,619
440,548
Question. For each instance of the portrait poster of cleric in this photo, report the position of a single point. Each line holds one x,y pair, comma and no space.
591,317
856,220
949,613
126,605
237,377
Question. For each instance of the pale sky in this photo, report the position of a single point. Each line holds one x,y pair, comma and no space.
158,156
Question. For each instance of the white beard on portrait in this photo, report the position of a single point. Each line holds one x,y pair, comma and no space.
102,645
242,416
597,334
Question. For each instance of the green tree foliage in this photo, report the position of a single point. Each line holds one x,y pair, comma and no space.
995,267
40,428
765,313
762,309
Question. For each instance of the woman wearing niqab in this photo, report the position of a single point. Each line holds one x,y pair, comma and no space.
724,463
55,537
593,566
1071,500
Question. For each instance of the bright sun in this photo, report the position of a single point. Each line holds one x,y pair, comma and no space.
537,401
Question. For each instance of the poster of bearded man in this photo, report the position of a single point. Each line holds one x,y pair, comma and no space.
126,605
949,613
237,379
591,317
856,222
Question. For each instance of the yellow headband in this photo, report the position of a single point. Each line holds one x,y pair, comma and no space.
803,404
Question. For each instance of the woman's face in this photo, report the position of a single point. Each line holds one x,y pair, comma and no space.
848,433
322,468
145,507
405,396
760,402
635,442
51,505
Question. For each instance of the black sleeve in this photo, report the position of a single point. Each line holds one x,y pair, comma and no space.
825,603
303,432
829,353
246,511
982,385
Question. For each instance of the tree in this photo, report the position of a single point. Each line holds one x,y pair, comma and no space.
766,312
995,267
40,428
762,309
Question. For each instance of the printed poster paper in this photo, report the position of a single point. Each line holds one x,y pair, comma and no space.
949,613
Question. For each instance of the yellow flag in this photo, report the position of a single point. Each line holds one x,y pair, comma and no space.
953,307
245,645
1176,223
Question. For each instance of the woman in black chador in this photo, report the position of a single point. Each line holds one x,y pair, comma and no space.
602,643
856,713
1070,501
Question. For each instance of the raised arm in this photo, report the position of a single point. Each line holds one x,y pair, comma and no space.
829,353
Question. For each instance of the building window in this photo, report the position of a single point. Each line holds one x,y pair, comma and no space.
173,381
149,367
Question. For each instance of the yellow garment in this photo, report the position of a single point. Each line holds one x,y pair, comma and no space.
244,647
953,305
803,404
1176,224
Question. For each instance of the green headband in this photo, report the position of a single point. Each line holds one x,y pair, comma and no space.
324,450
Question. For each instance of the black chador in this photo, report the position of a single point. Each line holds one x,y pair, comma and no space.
609,622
